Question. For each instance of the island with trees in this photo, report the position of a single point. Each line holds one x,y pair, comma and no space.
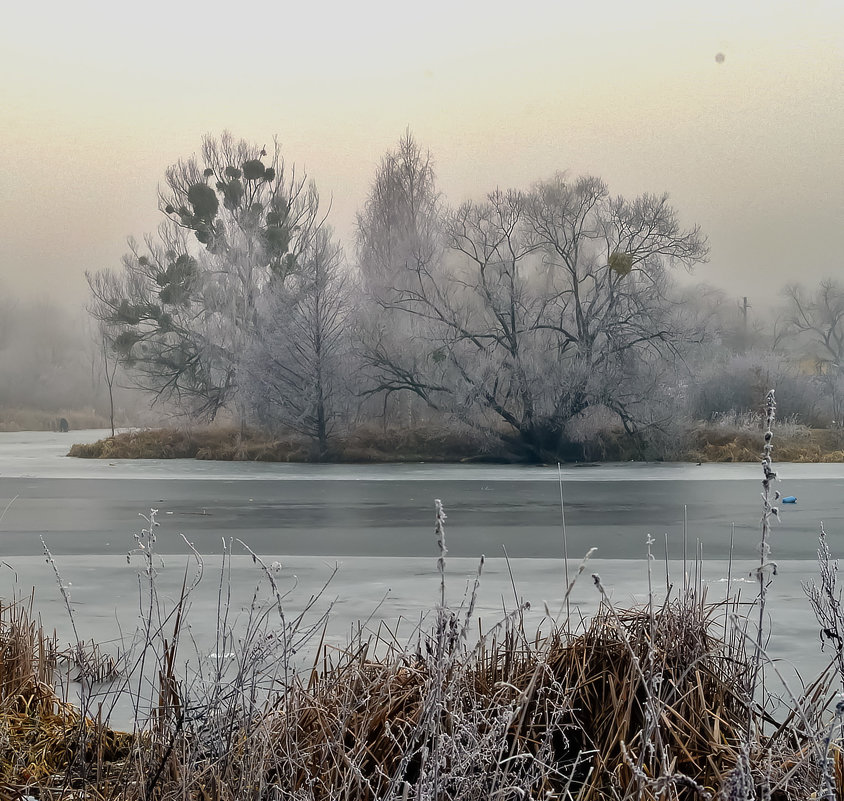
553,322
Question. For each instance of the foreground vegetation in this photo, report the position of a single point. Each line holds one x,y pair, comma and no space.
642,704
729,441
656,702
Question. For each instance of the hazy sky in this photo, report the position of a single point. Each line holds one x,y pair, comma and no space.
97,98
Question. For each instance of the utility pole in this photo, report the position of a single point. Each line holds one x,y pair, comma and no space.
743,309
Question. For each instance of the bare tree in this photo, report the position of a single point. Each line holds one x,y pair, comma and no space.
160,318
296,372
399,233
553,302
109,370
816,321
253,217
400,227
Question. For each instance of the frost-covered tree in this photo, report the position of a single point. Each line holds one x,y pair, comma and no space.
815,323
296,374
183,309
731,383
400,226
550,302
399,234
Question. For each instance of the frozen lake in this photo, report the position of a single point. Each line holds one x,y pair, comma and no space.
92,507
374,524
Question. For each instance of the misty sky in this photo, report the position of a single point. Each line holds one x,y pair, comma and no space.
97,98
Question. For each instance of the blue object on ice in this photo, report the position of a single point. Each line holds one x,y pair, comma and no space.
790,499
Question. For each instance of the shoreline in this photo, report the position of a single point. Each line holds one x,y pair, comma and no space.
703,444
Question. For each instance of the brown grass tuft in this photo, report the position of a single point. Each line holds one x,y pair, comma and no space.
45,743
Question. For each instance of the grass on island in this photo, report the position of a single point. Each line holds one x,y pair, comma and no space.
235,444
703,443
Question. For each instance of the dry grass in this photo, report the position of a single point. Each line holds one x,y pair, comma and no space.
224,443
714,444
366,444
374,444
640,704
559,714
46,744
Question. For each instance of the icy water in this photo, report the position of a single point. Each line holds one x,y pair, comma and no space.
91,507
368,531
